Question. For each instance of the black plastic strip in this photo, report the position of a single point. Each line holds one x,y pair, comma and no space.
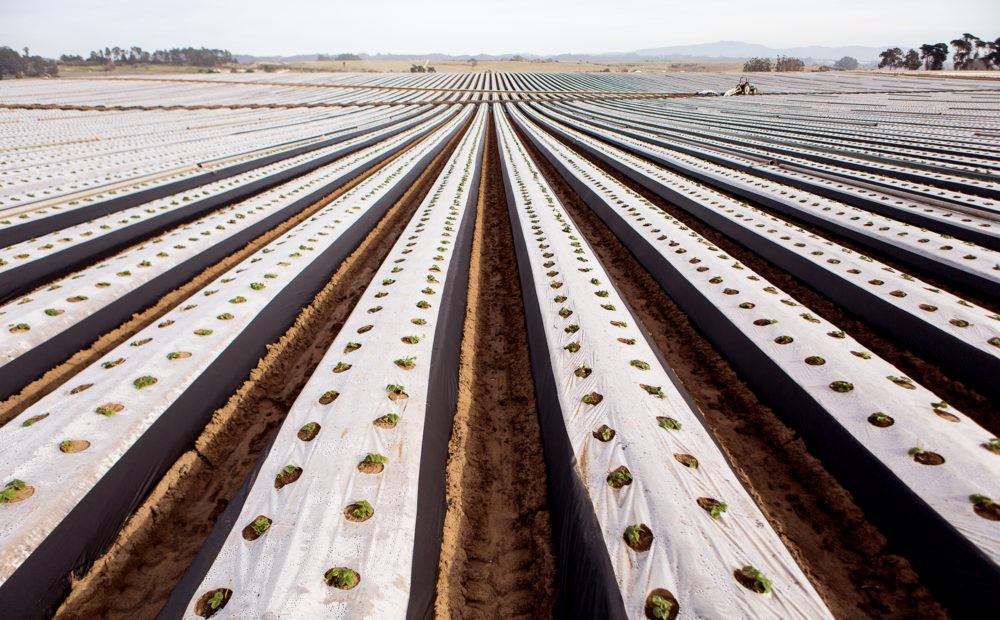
37,228
442,400
978,367
586,586
43,579
20,280
949,564
35,362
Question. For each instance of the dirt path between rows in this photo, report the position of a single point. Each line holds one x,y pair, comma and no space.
134,578
497,553
844,556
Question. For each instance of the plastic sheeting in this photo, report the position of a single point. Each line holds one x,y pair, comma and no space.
952,330
281,573
693,555
81,499
744,315
103,299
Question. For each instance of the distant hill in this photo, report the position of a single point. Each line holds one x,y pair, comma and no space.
720,50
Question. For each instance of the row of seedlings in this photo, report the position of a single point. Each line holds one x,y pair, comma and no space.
855,407
683,535
757,172
930,320
85,449
329,527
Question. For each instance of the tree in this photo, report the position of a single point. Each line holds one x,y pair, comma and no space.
757,64
912,60
993,57
847,63
934,55
347,57
787,63
966,51
891,58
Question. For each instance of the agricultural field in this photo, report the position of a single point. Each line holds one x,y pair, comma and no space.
499,344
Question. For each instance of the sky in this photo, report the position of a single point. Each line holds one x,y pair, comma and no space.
289,27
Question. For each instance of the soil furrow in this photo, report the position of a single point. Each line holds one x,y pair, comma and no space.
134,578
844,555
497,553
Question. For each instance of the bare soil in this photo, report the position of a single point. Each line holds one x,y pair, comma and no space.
845,557
135,576
497,552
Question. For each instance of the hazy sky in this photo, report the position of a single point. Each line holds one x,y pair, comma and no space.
287,27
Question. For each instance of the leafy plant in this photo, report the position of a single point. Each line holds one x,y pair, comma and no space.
389,418
362,509
572,347
341,577
341,367
10,490
217,599
605,434
387,281
225,316
619,477
257,285
841,386
669,423
761,583
405,362
142,382
717,509
661,607
203,332
641,365
915,451
653,390
260,525
395,389
993,444
411,339
633,532
308,428
423,304
237,300
65,444
376,458
978,500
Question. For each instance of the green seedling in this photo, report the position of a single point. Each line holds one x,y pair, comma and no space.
411,339
142,382
65,444
10,490
978,500
341,367
225,316
363,509
915,451
260,526
237,300
389,418
761,583
653,390
418,321
341,577
605,434
387,281
203,332
641,365
308,428
53,312
257,285
376,458
661,607
993,444
669,423
619,477
841,386
288,469
633,532
572,347
395,389
717,509
423,304
405,362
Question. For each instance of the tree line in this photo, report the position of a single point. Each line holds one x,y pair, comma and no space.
192,56
971,52
26,65
781,63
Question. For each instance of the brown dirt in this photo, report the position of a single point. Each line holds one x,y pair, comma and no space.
134,577
497,552
58,375
845,557
967,400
